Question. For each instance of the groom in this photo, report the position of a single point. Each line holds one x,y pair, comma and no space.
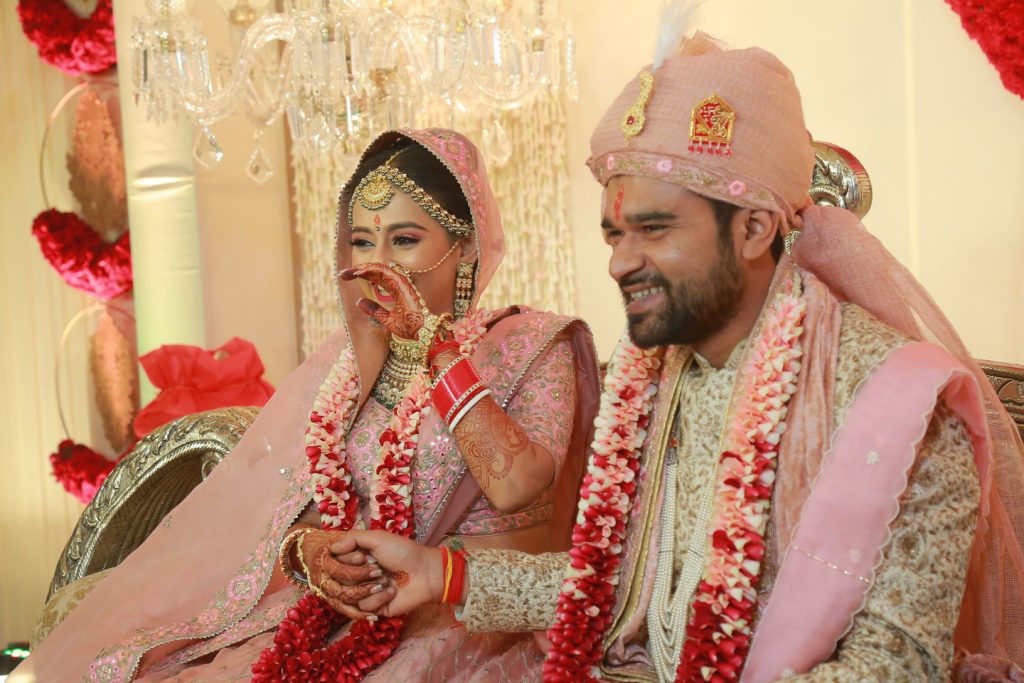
785,479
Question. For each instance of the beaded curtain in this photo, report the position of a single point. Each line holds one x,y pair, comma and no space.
531,188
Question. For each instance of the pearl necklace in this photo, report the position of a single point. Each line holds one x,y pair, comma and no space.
668,612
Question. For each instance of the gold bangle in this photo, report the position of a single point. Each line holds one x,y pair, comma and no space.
285,562
414,351
314,588
431,323
408,351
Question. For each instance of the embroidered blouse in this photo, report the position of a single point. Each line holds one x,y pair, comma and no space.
537,406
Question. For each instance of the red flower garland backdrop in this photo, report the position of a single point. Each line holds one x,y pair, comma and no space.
72,44
80,469
81,257
998,27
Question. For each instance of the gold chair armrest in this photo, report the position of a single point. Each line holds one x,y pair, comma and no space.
1008,381
151,480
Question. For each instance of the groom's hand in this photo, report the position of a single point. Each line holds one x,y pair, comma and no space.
414,570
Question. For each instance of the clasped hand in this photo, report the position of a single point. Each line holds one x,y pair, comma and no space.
372,573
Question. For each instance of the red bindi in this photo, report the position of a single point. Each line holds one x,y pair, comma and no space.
618,202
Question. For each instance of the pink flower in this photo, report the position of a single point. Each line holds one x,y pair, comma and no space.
737,187
609,162
664,165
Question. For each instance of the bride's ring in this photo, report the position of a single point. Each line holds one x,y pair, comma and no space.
401,270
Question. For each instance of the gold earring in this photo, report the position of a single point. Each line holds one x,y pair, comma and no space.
789,239
463,289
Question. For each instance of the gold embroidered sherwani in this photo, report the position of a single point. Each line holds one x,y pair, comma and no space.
904,632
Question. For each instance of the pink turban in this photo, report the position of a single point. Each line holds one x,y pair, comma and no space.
766,165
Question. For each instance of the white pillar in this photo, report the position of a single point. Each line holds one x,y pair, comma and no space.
161,214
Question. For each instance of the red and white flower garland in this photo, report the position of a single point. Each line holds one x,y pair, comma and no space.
606,496
300,652
719,632
722,611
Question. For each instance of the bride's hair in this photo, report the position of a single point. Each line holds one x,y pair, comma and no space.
425,169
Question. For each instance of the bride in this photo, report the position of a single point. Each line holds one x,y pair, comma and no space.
427,416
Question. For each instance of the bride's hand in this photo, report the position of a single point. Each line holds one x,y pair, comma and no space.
407,316
344,580
413,569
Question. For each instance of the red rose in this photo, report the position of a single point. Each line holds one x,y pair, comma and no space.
998,27
72,44
81,257
79,469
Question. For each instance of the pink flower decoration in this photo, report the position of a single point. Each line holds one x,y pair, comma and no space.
737,187
609,161
664,165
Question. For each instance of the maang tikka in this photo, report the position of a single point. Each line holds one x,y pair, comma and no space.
463,289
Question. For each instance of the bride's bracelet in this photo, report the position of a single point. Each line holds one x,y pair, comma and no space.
440,347
456,390
313,588
293,575
443,371
417,351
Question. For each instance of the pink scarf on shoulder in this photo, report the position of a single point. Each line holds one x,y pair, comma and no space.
833,506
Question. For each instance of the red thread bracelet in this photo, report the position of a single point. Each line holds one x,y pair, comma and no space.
455,577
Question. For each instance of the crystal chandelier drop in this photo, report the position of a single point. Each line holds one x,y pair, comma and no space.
343,70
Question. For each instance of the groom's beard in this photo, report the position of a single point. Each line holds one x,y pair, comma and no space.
694,308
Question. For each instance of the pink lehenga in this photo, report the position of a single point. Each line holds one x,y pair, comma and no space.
204,577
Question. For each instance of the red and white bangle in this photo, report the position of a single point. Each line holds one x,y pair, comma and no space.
466,405
440,373
456,390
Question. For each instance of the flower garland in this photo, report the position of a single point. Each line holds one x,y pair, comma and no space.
998,27
606,496
718,633
81,257
300,652
72,44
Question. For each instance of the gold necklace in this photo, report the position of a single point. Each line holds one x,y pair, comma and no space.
394,379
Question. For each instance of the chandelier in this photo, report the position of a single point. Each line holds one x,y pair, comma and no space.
341,71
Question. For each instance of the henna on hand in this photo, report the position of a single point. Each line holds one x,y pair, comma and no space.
350,595
406,317
321,564
489,441
342,585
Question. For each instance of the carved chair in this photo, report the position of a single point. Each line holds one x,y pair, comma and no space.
170,462
150,481
1008,381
